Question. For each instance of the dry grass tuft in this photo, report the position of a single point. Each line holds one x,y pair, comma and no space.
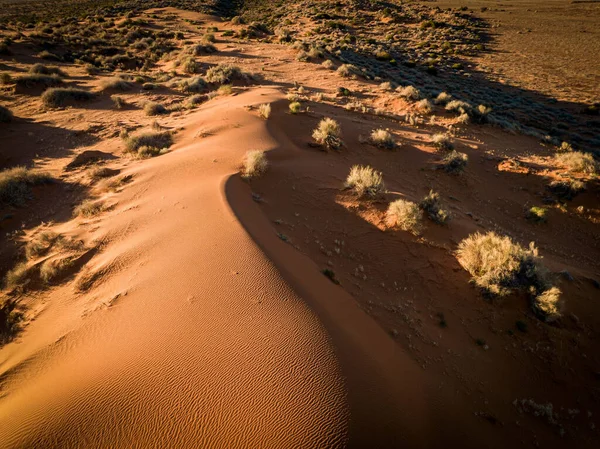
365,181
405,215
255,164
88,209
548,304
59,97
152,108
15,184
116,83
455,162
432,206
383,139
264,110
328,133
224,73
442,141
498,265
295,107
149,142
577,162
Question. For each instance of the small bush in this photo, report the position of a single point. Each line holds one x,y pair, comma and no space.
58,97
443,98
424,106
40,244
458,106
10,319
537,214
548,304
255,164
577,162
566,188
15,184
264,111
409,93
224,73
17,276
565,147
116,83
203,48
328,133
432,206
189,65
405,215
149,140
152,108
193,85
118,101
455,162
35,80
88,209
328,64
42,69
6,115
52,269
365,181
442,141
382,139
197,99
498,265
347,70
295,107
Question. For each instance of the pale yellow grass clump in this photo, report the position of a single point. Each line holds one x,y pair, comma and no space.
365,181
405,215
328,133
577,162
548,304
255,164
498,264
382,138
264,110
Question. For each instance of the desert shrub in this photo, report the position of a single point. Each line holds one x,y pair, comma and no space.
458,106
225,89
48,56
537,214
409,93
116,83
148,140
15,184
209,37
566,188
442,141
40,244
88,209
431,204
498,265
424,106
565,147
295,107
328,133
189,65
224,73
405,215
51,269
10,319
386,85
255,164
41,69
118,101
197,99
480,114
443,98
35,80
347,70
577,162
150,86
17,276
6,115
5,78
365,181
203,48
382,138
58,97
548,304
264,111
455,162
328,64
193,85
152,108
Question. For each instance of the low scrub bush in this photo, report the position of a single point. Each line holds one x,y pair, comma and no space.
382,139
498,265
37,80
577,162
255,164
328,133
42,69
59,97
431,204
264,110
455,162
116,83
224,73
15,184
149,141
404,215
442,141
152,108
365,181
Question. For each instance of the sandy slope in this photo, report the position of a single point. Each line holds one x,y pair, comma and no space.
211,345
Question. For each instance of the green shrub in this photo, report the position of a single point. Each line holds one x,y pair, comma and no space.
224,73
537,214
